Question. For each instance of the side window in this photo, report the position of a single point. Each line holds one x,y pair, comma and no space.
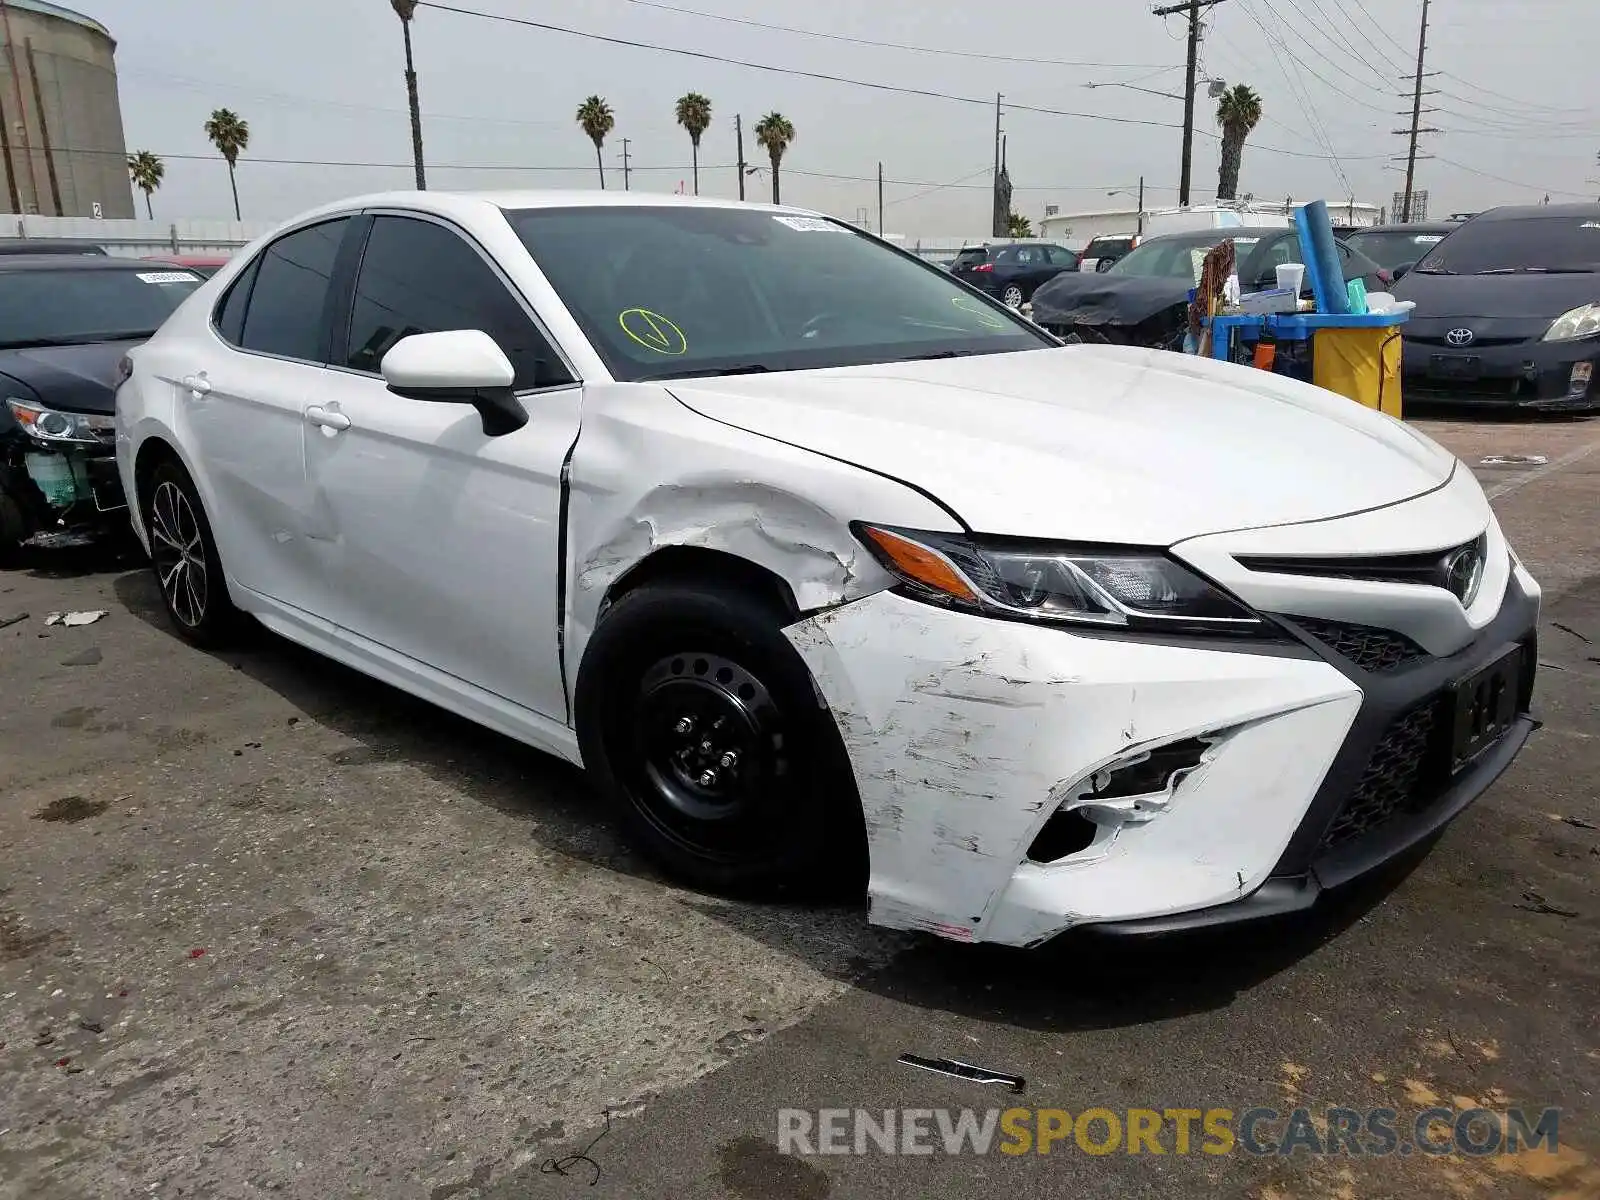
1061,256
419,277
287,309
1025,256
230,313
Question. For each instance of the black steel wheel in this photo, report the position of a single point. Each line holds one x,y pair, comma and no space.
184,555
702,722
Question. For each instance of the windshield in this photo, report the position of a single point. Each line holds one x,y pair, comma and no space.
69,307
1178,256
665,292
1553,243
1394,248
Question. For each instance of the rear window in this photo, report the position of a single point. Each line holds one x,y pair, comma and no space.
968,257
1555,243
1110,245
1392,248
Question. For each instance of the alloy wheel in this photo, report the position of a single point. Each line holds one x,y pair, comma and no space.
1013,297
177,547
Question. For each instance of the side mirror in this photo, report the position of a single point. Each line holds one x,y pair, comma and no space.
1401,271
458,366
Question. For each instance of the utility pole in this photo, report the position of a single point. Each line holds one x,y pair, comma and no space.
738,133
1191,9
994,186
1416,114
625,164
1141,206
880,199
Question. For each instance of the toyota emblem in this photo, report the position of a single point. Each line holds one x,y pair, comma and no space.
1464,572
1460,337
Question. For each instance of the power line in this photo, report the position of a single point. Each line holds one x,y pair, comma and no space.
1301,97
857,41
706,56
1521,183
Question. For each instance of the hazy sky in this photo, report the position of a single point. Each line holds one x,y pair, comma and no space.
323,80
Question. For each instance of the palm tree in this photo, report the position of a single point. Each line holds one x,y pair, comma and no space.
694,114
229,134
774,132
597,119
1018,226
1238,112
406,10
147,171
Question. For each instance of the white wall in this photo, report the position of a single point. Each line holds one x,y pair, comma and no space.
136,239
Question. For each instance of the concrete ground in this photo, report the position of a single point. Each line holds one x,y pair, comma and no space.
267,927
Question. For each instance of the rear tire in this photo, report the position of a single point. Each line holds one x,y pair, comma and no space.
1012,297
183,552
700,720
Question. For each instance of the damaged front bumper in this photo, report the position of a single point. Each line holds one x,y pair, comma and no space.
72,493
1019,781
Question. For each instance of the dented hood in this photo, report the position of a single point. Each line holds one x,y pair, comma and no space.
1097,443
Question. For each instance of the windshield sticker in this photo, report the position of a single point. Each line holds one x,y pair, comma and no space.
652,331
1590,225
1428,239
989,320
809,224
168,277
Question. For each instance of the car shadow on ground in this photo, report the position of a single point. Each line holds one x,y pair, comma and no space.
1077,981
389,725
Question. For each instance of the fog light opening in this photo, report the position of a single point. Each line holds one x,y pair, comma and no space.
1132,791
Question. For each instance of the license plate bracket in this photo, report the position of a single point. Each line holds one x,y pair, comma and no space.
1458,367
1483,707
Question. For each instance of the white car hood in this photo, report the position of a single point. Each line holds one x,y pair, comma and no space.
1095,443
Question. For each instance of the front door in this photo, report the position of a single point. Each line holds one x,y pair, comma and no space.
438,541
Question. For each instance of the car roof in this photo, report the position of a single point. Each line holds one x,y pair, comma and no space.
471,205
1222,235
1408,227
13,263
1524,212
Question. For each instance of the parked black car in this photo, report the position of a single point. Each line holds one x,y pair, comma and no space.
1399,248
36,246
1011,273
65,323
1143,300
1508,311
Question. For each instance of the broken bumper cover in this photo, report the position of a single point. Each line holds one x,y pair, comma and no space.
968,735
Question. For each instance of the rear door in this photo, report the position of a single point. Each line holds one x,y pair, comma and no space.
240,401
439,541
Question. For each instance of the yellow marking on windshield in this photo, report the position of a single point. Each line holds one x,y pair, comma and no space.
652,331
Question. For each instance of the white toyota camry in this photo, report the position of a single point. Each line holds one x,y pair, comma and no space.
827,567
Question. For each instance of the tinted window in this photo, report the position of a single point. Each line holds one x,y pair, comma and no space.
1061,256
1569,242
1391,249
1176,256
968,257
286,311
666,291
1108,247
419,277
64,307
230,313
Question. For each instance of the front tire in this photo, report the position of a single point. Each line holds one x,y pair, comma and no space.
701,721
183,552
1012,297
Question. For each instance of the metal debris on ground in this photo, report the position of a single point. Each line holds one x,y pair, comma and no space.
86,617
4,621
1580,823
1513,460
960,1070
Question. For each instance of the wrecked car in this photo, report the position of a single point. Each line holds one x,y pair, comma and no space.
829,569
66,322
1143,298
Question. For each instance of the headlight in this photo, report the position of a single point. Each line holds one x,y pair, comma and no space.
1077,585
1579,323
48,425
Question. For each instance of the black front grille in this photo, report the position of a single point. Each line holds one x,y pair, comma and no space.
1370,649
1402,776
1480,391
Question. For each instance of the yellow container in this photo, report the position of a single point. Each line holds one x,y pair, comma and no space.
1363,364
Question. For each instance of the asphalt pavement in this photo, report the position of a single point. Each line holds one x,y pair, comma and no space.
267,927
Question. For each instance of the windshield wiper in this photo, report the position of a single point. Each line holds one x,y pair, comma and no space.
937,354
1538,271
79,339
706,372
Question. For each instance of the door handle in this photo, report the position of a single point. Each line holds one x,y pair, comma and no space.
335,421
199,386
